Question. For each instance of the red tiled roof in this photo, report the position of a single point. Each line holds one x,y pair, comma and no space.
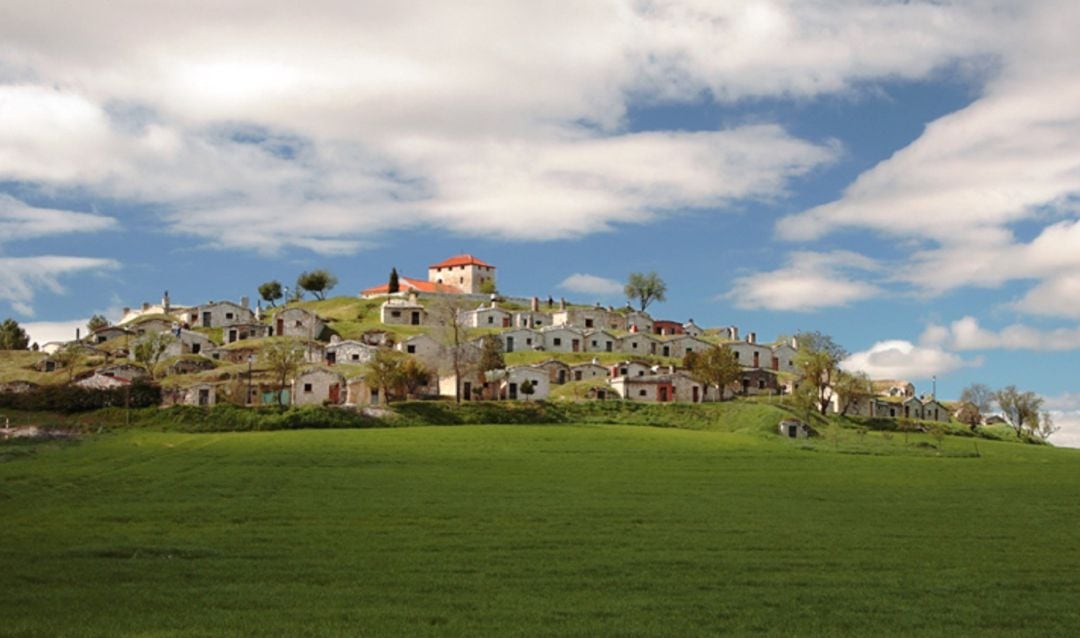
461,260
407,284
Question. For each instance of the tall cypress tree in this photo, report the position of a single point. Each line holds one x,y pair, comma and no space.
395,285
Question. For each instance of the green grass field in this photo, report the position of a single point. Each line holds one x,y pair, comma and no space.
535,530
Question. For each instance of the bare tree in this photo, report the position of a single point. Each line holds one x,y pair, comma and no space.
978,395
458,356
851,388
1020,408
283,358
150,348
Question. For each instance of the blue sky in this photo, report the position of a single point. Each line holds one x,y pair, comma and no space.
903,176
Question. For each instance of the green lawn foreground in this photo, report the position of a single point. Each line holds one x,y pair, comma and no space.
533,530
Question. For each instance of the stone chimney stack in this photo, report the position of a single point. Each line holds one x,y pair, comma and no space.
146,306
166,304
562,303
535,305
751,337
795,342
78,333
734,331
245,302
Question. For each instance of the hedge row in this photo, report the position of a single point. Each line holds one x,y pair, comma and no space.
69,399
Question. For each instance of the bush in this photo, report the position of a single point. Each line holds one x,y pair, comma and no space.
69,399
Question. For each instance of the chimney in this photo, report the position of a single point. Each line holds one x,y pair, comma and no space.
78,333
145,306
734,332
562,303
751,337
795,342
412,296
127,311
245,302
535,305
166,305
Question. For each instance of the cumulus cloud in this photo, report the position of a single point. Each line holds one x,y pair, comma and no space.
22,277
810,281
328,123
591,285
959,191
19,221
904,360
968,334
1065,410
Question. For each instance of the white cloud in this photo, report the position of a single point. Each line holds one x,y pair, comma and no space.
22,277
905,360
810,281
592,285
19,221
42,332
1065,410
504,119
967,334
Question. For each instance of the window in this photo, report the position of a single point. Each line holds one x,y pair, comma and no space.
633,345
641,393
761,384
355,357
410,349
299,324
528,341
588,323
557,341
736,355
491,319
395,313
594,343
307,387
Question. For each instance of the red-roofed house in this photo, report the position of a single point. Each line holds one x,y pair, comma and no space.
465,272
460,274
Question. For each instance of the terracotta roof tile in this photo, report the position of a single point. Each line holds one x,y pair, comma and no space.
461,260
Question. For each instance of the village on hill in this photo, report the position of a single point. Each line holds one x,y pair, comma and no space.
450,334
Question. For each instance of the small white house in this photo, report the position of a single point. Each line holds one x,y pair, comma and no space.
588,371
600,341
521,339
487,317
510,387
318,386
639,343
298,322
403,312
422,346
218,314
349,351
561,339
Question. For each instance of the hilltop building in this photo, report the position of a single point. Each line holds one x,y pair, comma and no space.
458,275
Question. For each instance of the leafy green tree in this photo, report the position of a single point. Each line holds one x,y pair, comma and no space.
487,287
395,373
645,288
317,282
1020,408
716,367
283,358
491,354
818,362
414,375
970,415
12,336
150,348
271,291
395,284
97,322
527,388
851,388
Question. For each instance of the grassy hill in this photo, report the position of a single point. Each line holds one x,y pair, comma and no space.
536,530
